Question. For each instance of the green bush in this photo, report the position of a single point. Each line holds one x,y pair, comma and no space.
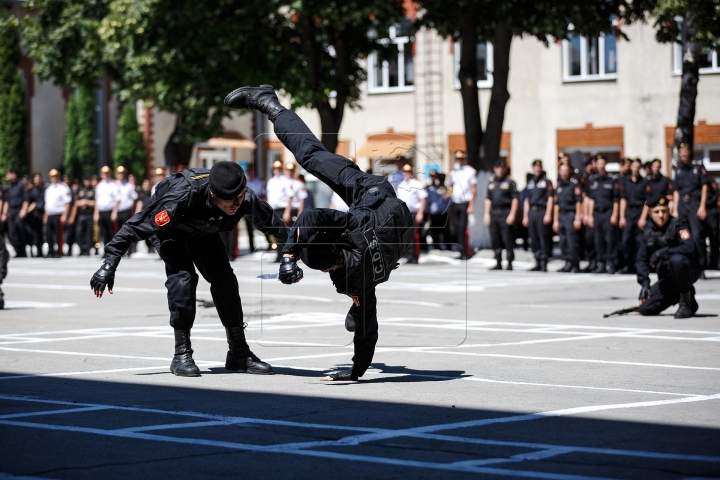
13,106
130,146
80,155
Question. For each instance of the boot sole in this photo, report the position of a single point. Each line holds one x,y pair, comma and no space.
185,374
248,372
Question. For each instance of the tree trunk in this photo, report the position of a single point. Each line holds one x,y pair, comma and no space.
500,94
178,151
468,78
330,124
684,131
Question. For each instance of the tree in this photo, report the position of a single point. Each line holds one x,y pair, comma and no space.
698,30
13,106
80,152
130,146
327,41
498,22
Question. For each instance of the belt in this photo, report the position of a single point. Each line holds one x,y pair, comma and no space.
602,210
567,210
688,198
498,209
535,208
635,206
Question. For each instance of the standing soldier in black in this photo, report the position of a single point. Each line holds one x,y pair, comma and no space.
538,211
657,185
710,224
4,255
82,216
568,216
690,196
184,221
501,205
604,207
34,213
13,212
632,200
587,236
669,250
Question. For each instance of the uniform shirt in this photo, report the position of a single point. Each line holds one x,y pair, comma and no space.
412,192
568,194
277,192
635,193
15,194
57,195
395,179
604,190
437,203
501,192
107,195
689,179
539,190
177,214
85,194
712,195
297,192
656,187
36,195
675,237
128,195
462,180
257,185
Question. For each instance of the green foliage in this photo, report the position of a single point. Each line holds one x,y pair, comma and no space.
706,20
130,146
13,107
80,156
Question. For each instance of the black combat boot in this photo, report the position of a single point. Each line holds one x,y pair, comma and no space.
685,308
543,265
509,266
183,364
536,268
566,268
611,268
349,323
239,356
262,98
575,269
591,266
498,264
600,268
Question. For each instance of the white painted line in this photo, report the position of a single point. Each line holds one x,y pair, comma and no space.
82,354
170,426
55,412
19,305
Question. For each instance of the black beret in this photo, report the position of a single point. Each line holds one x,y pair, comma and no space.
657,202
500,162
537,161
227,180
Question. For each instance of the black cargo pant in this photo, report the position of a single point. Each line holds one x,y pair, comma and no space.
351,183
459,220
107,227
675,276
605,236
208,255
84,232
34,230
540,241
501,235
569,236
631,235
711,231
16,232
4,259
54,235
688,211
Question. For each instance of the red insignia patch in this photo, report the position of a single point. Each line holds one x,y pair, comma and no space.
577,191
685,234
355,300
648,188
162,218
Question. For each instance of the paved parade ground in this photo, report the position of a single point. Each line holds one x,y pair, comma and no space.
477,374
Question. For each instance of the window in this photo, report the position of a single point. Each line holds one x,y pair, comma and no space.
578,155
709,62
484,64
589,58
397,74
710,155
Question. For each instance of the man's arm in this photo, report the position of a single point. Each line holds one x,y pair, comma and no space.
513,211
556,218
702,212
623,208
264,218
526,210
471,205
676,202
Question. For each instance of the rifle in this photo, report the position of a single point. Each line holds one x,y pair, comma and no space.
623,311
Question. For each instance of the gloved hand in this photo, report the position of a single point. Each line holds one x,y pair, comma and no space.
102,278
644,291
289,271
659,254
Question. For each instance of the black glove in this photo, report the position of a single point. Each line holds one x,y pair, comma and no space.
102,278
658,255
289,271
644,291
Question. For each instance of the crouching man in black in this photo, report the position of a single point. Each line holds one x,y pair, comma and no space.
667,248
184,221
358,248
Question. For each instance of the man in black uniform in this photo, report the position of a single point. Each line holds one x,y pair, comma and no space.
501,205
604,207
184,221
358,248
587,236
4,255
82,216
538,211
34,213
632,200
568,216
657,185
13,212
690,196
667,248
710,224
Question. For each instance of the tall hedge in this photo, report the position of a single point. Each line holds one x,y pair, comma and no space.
80,155
130,146
13,105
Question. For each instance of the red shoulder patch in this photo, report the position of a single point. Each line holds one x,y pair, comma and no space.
685,234
162,218
648,188
577,191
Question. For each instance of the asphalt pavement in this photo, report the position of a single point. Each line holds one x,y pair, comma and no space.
478,373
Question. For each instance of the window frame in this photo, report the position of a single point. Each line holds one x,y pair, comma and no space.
372,61
677,61
584,76
489,63
713,168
